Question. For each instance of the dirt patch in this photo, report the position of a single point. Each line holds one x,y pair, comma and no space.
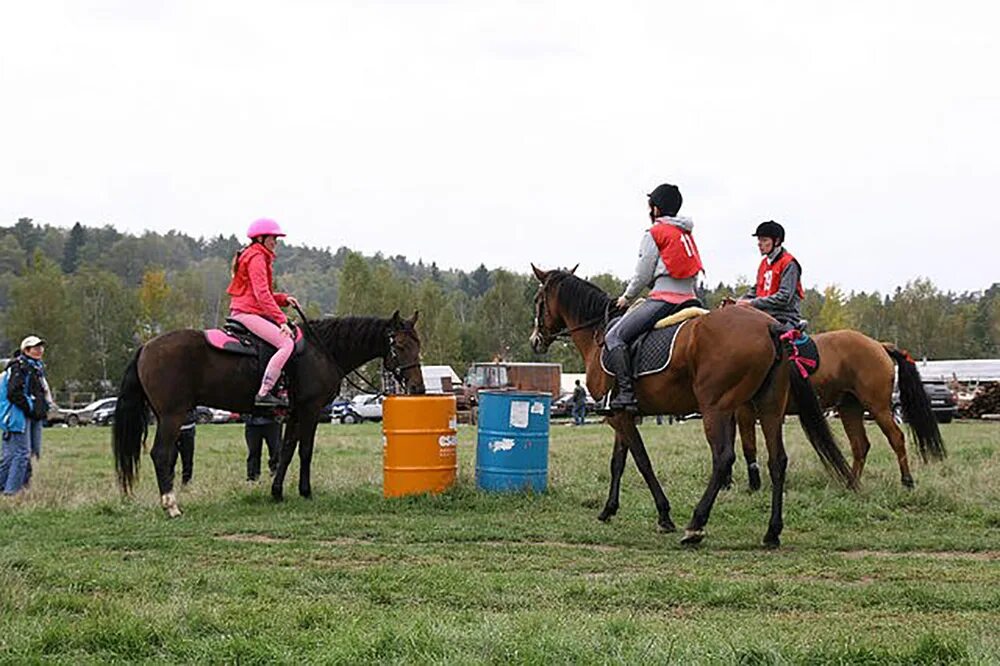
252,538
596,547
982,556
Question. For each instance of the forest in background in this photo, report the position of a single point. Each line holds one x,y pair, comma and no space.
95,294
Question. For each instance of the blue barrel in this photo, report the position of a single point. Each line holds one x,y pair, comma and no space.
512,451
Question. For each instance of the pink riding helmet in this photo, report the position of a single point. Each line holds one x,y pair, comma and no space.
264,227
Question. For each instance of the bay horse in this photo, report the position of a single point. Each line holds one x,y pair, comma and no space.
175,371
855,374
721,361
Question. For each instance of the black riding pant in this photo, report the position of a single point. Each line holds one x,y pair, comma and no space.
255,436
185,446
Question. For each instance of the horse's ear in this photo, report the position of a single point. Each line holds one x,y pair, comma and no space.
572,271
394,319
539,273
413,319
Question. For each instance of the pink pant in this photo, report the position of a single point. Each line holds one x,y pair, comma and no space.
270,333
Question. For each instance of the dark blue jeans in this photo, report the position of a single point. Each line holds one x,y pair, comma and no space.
14,462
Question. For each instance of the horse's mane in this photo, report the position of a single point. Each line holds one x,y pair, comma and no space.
580,299
351,336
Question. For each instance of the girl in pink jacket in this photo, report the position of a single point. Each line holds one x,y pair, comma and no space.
257,306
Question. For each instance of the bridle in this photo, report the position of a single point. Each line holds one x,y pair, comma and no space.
397,369
566,331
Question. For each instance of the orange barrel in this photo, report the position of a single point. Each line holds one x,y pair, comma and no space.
420,440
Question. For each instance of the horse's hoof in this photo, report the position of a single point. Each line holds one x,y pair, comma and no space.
606,516
666,526
306,495
277,495
908,482
754,481
771,541
692,537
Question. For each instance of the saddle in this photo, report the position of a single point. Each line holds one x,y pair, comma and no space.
235,338
651,352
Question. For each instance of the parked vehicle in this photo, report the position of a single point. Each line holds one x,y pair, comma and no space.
943,402
363,407
564,406
75,417
334,410
541,377
105,415
212,415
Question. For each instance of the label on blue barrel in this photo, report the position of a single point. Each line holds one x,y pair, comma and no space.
538,408
501,445
519,414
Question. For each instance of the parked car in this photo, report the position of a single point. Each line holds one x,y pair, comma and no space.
564,406
333,411
943,402
105,415
364,407
75,417
213,415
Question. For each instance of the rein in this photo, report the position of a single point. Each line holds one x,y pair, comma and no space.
397,370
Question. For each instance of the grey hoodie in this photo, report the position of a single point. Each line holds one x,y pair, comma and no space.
650,270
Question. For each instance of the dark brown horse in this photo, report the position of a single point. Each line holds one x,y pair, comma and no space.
178,370
721,361
856,374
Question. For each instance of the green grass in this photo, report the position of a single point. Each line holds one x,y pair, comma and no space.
885,576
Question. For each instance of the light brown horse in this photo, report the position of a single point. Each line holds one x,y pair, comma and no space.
856,374
721,361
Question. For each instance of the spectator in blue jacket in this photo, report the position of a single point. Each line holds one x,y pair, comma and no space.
22,410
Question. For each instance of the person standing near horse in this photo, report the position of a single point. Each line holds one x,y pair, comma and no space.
185,446
257,306
778,290
260,428
579,404
24,407
668,264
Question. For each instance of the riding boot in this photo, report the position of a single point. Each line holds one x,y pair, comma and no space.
620,361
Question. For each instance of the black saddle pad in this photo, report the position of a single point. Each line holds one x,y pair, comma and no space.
650,352
805,354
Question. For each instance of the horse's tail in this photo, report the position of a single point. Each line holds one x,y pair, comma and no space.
130,426
916,405
813,420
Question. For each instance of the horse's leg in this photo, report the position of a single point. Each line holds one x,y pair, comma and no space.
287,452
777,462
624,425
746,420
883,418
164,455
852,415
307,430
618,456
720,430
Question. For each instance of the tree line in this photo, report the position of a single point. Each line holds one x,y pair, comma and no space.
95,294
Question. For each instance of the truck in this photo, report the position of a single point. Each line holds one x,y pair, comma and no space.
498,375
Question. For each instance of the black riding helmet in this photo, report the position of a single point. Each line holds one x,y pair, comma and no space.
770,229
667,198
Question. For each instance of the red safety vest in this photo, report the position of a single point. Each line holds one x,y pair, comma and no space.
677,250
769,276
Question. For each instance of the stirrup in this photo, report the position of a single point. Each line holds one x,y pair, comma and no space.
269,400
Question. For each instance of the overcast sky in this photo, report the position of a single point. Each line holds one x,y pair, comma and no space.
509,132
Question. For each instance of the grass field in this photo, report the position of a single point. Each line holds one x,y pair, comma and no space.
886,576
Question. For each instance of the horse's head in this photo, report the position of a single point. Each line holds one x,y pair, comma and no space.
403,356
548,318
